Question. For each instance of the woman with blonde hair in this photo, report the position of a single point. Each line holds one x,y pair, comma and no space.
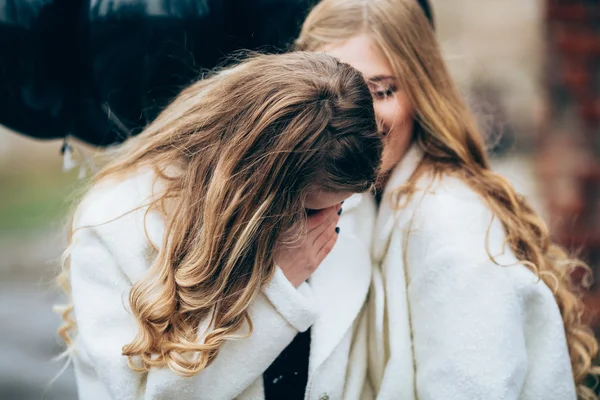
193,264
471,299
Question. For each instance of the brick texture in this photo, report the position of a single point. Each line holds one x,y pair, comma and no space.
568,157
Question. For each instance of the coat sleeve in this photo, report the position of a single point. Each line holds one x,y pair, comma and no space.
100,290
467,318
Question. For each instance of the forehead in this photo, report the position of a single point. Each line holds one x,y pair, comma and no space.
318,199
362,54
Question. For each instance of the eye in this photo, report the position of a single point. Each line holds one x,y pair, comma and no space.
381,92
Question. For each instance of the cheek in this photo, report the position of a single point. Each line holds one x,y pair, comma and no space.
395,114
397,117
402,110
386,113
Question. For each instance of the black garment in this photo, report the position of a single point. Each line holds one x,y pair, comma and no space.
287,376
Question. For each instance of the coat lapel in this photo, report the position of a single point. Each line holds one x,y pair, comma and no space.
341,283
384,224
392,365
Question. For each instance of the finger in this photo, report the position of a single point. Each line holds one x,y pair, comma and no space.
331,221
321,235
320,217
327,247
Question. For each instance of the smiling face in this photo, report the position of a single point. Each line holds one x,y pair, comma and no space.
393,109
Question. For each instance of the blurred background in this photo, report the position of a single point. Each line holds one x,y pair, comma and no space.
530,70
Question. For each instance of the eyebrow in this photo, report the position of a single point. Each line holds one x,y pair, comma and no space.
379,78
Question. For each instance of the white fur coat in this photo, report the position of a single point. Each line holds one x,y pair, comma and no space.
108,258
446,322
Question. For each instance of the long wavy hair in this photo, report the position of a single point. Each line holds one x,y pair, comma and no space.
447,133
235,155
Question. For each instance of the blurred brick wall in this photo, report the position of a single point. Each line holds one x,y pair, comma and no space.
568,156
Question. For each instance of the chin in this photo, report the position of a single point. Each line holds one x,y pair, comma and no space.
387,165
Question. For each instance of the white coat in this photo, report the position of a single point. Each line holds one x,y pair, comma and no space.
108,258
446,322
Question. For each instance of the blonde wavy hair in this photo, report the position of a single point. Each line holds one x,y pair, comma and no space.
447,133
236,154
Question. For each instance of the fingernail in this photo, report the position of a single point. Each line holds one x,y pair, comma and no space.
337,229
340,211
342,202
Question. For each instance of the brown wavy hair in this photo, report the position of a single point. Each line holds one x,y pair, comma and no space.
236,154
447,133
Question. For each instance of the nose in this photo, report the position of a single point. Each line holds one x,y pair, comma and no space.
382,126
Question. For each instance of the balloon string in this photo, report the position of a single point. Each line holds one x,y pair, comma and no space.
67,150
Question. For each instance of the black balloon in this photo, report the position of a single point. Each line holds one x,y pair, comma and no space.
101,70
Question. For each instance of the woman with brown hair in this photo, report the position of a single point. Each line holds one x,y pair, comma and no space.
470,299
191,252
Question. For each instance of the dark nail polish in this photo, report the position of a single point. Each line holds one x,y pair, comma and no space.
337,229
340,212
342,202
